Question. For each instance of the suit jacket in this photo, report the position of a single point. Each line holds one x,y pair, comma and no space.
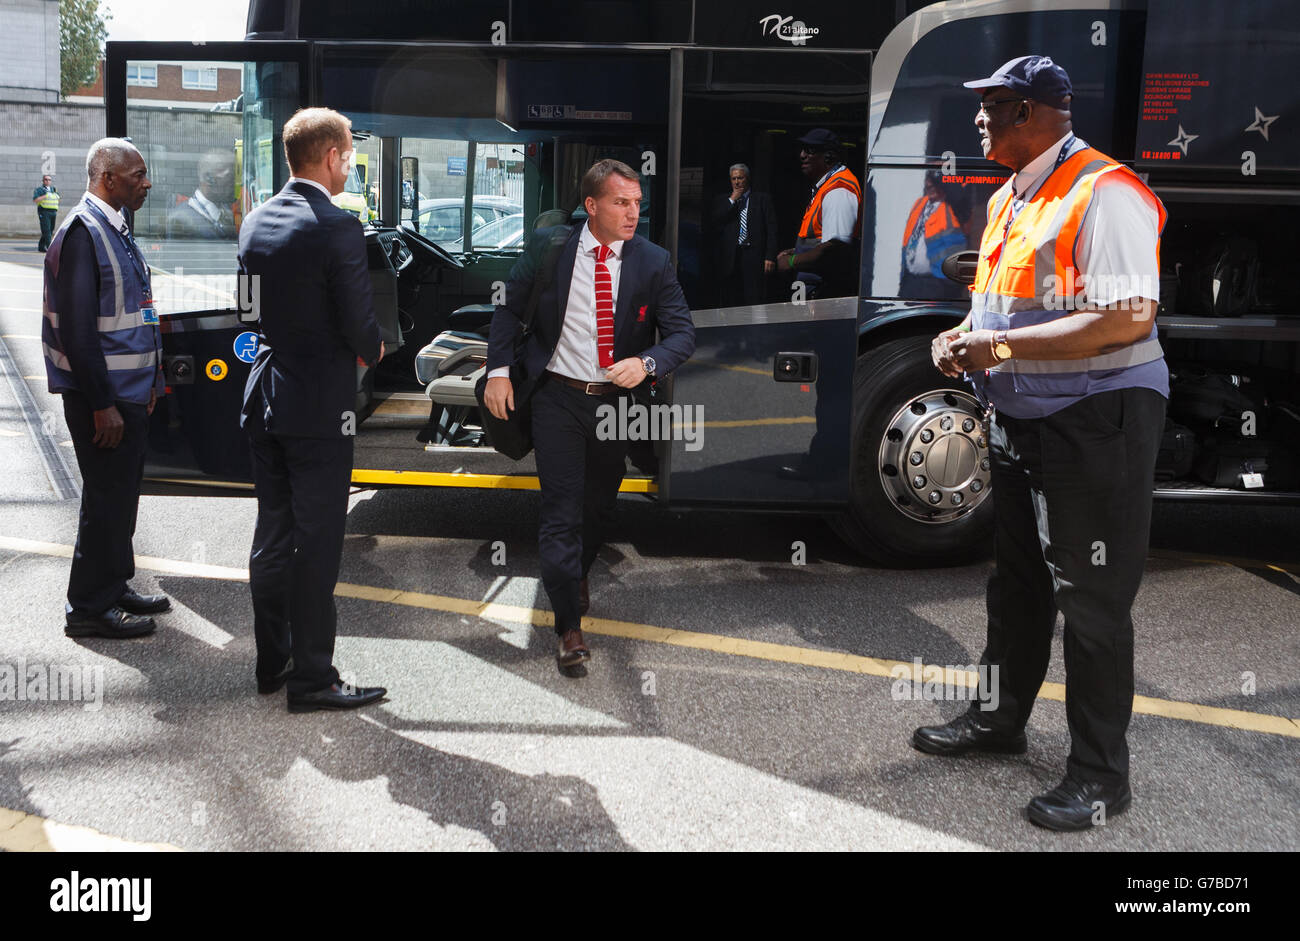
186,222
649,299
760,228
316,312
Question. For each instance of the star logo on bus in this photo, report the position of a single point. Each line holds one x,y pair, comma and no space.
1262,121
1183,139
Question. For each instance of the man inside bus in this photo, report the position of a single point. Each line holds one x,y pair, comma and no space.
207,213
1078,384
593,341
316,322
825,255
744,222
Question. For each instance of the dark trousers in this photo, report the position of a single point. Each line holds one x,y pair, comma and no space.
103,560
745,285
580,476
1072,499
46,218
302,507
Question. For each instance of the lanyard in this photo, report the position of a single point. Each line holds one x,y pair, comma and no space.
132,252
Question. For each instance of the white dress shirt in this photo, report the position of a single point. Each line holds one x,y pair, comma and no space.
1116,248
114,217
298,179
575,355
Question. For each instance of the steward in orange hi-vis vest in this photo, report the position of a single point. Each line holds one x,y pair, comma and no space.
810,229
1028,274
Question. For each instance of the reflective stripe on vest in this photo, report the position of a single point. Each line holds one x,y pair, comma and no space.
810,230
1036,253
130,346
49,201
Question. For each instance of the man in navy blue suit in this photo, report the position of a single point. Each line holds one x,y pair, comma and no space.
593,340
316,321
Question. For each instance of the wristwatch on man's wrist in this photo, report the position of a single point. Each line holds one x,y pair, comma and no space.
1001,349
648,364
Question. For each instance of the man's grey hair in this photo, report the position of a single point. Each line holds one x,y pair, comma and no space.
741,167
106,155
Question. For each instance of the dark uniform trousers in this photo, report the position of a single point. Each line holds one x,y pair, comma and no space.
1072,498
580,476
47,219
745,285
103,560
302,507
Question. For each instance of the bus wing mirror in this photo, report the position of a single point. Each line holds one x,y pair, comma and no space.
960,266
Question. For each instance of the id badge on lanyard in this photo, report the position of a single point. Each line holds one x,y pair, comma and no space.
148,313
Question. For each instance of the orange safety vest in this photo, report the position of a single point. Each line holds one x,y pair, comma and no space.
810,230
1028,274
936,225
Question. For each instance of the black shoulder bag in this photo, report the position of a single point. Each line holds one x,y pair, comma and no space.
513,437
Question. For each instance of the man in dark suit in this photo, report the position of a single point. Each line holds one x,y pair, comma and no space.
206,214
746,241
593,340
316,321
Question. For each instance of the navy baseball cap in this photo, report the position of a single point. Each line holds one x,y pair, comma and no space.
821,138
1036,77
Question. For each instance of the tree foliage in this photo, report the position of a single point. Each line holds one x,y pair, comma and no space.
82,32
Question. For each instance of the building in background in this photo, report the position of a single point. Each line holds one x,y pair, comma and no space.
29,52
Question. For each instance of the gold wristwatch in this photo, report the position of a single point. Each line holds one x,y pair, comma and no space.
1001,349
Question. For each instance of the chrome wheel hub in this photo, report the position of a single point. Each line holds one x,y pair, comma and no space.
934,457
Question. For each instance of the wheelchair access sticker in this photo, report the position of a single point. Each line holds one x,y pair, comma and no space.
246,347
216,369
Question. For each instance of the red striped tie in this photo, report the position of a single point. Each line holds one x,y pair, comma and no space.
604,308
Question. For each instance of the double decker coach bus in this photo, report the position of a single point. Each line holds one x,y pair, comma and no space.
477,121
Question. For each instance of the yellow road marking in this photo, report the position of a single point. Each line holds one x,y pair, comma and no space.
19,336
749,369
27,833
749,422
716,643
490,481
1289,568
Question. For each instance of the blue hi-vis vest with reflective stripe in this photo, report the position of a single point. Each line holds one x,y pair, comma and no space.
131,347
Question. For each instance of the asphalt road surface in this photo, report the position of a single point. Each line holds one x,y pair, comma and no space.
740,697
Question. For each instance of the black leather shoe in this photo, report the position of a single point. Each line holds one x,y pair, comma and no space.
143,604
114,624
964,734
1078,805
275,683
336,697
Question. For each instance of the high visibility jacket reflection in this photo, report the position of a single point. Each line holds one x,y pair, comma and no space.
810,230
130,345
1028,274
48,200
941,234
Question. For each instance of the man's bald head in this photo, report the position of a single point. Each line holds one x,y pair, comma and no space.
116,173
109,155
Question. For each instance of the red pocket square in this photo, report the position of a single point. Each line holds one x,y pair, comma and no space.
640,314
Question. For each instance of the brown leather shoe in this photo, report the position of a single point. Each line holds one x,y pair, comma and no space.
584,597
573,650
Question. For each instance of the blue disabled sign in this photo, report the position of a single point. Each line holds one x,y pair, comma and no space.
246,347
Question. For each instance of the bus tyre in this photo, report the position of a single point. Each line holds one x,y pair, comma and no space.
919,464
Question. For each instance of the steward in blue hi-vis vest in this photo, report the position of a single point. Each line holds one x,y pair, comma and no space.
127,323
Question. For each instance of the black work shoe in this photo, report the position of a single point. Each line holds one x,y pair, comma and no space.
143,604
1078,805
114,624
964,734
336,697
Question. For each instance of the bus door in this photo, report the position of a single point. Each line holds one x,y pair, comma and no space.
495,141
764,405
207,120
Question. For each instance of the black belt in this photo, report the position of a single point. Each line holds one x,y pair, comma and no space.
591,388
